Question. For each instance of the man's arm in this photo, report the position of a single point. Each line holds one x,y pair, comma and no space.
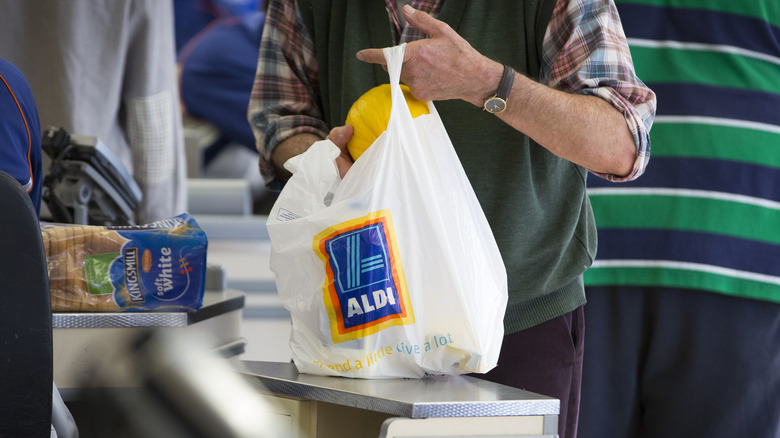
283,110
298,144
295,145
584,129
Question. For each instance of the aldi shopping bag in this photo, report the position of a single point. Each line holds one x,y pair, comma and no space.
392,271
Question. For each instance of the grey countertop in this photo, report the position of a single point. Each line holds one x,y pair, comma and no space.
214,303
442,396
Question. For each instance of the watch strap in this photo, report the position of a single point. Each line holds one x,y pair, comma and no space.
505,86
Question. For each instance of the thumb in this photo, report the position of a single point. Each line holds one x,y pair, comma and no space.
340,135
424,22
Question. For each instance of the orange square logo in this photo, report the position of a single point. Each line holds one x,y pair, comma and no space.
365,288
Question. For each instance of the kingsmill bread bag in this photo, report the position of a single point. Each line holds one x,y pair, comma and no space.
159,266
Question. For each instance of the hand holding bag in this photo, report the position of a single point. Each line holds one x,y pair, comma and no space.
392,271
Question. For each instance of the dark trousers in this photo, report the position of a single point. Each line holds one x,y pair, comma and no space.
680,363
547,359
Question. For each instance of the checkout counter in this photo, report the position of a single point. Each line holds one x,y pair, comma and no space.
298,405
79,337
445,406
303,405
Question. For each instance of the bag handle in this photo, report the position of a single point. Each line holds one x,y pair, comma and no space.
400,115
395,60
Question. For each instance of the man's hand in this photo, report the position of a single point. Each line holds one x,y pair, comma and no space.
444,66
340,135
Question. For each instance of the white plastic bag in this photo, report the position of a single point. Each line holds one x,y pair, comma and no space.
392,271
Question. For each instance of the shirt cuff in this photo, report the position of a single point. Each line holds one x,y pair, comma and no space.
639,119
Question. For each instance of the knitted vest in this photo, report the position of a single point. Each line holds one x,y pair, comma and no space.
535,202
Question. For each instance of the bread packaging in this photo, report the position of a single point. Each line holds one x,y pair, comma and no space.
154,267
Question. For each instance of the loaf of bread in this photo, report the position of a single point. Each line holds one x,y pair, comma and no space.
158,266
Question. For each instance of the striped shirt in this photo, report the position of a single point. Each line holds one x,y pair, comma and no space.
706,215
584,52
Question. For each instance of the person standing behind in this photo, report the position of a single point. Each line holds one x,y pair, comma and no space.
107,69
20,132
575,105
684,296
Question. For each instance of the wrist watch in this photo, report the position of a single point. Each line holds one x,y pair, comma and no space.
497,103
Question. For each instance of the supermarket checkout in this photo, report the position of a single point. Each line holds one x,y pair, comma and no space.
177,393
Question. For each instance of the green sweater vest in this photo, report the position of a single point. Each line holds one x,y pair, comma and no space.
535,202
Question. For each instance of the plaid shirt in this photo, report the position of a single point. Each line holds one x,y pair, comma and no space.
584,51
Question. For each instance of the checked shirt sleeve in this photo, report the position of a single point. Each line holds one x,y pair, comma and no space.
284,100
585,51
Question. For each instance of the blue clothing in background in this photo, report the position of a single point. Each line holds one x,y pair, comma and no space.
20,132
216,83
191,16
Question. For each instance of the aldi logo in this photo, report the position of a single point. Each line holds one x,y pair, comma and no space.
365,289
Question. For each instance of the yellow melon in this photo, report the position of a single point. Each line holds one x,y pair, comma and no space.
371,112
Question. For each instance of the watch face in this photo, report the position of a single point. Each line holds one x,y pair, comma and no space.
495,105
